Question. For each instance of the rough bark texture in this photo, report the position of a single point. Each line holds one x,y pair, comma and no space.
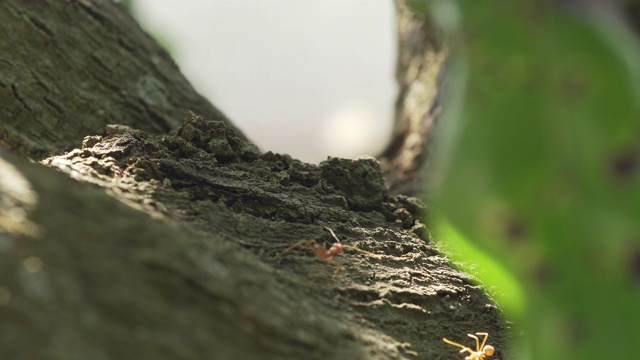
139,245
420,68
69,68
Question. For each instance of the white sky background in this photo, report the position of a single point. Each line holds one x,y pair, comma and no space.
311,78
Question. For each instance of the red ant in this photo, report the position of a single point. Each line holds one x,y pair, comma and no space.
481,352
321,251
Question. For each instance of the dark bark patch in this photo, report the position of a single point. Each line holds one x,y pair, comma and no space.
41,26
360,180
214,137
17,96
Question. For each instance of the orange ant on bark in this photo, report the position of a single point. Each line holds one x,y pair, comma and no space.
321,251
482,350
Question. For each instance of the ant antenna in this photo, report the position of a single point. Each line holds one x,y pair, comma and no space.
332,234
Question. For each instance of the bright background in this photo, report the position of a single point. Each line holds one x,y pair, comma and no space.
311,78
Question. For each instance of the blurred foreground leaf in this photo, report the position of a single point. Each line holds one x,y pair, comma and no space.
538,163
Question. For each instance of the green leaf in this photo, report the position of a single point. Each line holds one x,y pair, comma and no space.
538,163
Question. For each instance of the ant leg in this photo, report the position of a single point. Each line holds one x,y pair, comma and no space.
338,269
486,336
477,343
296,245
352,247
363,251
464,348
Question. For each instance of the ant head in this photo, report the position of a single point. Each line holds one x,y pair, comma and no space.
489,350
337,248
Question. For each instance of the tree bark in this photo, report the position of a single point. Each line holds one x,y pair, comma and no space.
420,72
69,68
148,243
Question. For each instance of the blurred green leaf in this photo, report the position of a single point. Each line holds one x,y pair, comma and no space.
538,161
507,292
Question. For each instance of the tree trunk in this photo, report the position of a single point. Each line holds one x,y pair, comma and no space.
69,68
170,237
420,70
